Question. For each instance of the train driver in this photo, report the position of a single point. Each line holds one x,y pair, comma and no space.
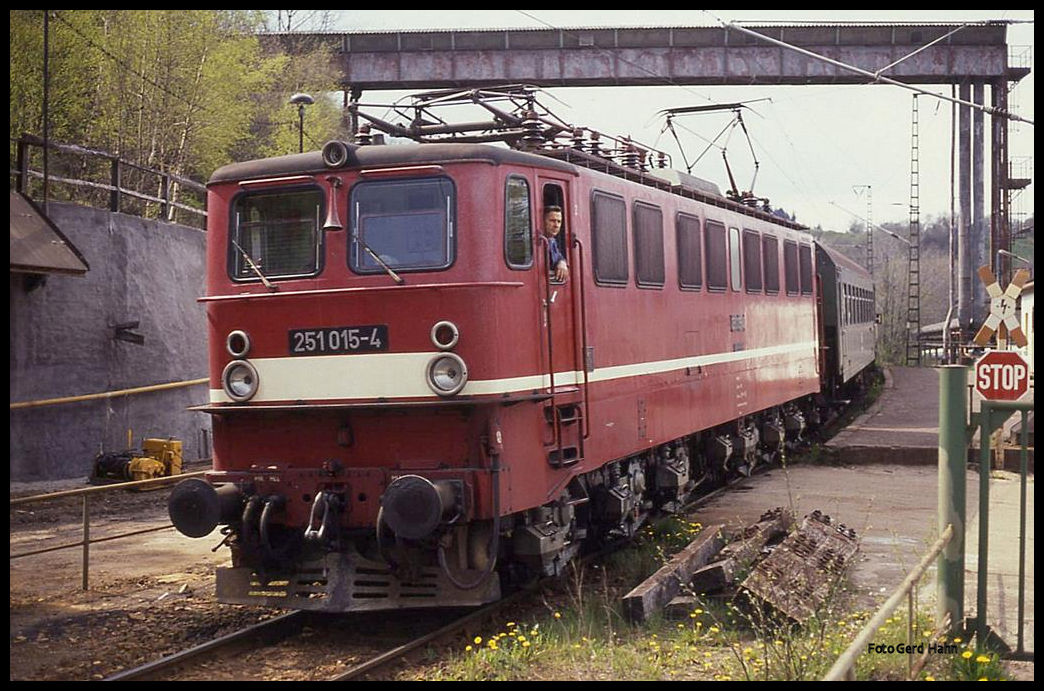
556,260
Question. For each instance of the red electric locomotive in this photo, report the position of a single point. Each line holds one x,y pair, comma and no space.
410,409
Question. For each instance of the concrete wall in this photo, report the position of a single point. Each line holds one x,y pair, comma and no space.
62,344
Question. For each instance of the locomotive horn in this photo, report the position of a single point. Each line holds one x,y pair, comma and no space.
333,221
196,507
336,153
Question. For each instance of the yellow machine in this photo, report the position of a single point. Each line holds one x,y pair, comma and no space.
158,458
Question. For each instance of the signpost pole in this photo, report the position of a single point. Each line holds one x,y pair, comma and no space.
953,456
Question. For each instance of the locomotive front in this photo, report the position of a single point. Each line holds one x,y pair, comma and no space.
351,300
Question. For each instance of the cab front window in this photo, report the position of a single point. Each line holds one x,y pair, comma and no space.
275,234
407,224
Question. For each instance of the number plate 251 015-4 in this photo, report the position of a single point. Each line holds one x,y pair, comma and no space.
339,339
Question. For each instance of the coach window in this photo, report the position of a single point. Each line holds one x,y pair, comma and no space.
276,235
790,266
690,252
648,245
734,257
770,251
609,238
518,224
805,264
717,261
752,260
408,223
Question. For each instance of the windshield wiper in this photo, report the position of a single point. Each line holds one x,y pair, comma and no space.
395,277
255,268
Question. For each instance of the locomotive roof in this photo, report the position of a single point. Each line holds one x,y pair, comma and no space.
564,160
384,155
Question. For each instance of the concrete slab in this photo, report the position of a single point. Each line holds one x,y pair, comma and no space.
901,427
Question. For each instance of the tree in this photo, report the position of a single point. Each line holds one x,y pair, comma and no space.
181,91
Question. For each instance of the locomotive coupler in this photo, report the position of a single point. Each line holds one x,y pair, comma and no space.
326,512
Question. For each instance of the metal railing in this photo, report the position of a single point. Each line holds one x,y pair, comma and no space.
18,405
844,667
86,493
117,185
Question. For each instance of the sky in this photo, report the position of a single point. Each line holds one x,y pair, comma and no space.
820,149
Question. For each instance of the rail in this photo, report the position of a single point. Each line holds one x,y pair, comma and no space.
844,667
87,493
117,184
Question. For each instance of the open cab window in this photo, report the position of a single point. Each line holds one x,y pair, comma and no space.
275,234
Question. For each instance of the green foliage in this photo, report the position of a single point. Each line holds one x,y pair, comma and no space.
183,91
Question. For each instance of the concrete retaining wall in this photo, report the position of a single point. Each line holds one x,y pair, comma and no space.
62,344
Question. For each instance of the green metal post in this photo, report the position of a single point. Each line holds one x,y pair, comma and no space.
953,455
985,430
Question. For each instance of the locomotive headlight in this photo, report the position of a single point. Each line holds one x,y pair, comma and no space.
237,343
447,374
445,335
239,380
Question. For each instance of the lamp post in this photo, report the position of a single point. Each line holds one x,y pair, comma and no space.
301,100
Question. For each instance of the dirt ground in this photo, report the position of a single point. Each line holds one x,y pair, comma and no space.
147,596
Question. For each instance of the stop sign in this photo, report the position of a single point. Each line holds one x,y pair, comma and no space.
1002,375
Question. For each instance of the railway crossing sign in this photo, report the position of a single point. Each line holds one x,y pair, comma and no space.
1002,307
1002,375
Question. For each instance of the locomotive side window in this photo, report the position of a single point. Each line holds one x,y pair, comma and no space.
717,261
770,250
409,224
752,260
609,236
276,234
690,251
790,266
805,264
734,257
648,245
518,224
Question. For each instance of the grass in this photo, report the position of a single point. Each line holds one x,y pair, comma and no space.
581,633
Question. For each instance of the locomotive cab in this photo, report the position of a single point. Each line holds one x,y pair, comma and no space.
382,317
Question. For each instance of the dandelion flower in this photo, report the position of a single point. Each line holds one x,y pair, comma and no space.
982,658
468,649
557,615
966,654
478,640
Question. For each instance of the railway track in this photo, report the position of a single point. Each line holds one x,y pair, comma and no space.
288,630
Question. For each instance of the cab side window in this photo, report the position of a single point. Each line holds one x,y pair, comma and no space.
518,224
